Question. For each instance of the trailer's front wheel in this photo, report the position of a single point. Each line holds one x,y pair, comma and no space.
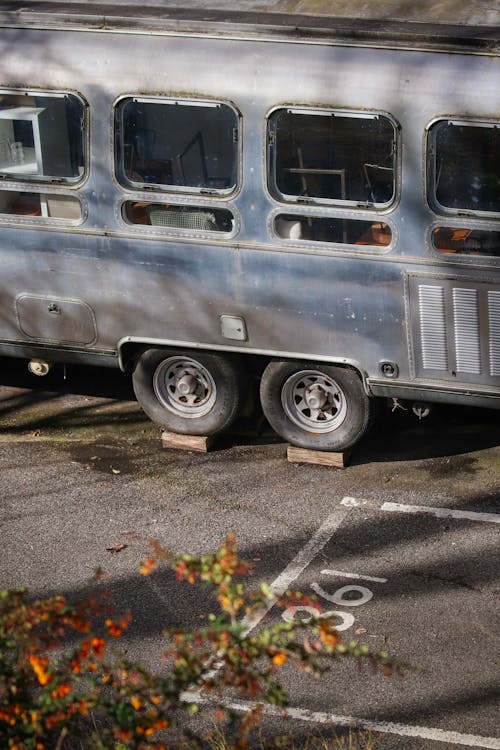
198,394
315,406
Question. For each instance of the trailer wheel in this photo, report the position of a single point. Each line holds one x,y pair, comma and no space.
316,406
192,395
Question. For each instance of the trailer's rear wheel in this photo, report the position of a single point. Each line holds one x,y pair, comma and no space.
198,394
315,406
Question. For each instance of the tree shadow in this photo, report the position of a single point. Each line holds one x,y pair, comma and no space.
398,435
448,431
159,601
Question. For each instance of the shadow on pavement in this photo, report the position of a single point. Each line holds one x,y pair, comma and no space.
396,436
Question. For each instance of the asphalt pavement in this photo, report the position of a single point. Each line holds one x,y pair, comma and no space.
403,543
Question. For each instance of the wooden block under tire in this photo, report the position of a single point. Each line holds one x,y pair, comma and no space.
200,443
320,458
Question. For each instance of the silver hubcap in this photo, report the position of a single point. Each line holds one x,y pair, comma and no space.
184,387
314,401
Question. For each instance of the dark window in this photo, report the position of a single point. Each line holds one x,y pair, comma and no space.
323,156
464,161
41,137
177,145
466,241
335,230
194,218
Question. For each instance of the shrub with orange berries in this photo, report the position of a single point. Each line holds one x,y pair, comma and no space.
49,685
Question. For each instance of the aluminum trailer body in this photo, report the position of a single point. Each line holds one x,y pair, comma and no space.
183,193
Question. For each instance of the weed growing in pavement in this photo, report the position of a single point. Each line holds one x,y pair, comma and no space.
351,739
53,692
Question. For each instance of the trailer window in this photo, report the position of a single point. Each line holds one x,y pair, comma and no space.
41,137
339,231
464,167
320,156
180,145
466,241
167,216
49,205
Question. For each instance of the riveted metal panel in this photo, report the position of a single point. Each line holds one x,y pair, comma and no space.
63,321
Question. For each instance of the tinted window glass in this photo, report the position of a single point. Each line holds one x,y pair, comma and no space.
325,156
335,230
466,241
465,166
49,205
41,137
177,144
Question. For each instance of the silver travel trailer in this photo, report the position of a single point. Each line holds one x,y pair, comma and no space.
309,194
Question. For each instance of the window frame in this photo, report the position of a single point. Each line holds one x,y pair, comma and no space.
162,188
430,155
293,200
39,180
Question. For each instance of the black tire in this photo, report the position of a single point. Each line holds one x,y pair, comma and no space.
316,406
192,393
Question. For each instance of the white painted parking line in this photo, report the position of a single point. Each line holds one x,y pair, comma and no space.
293,570
354,502
466,515
442,512
384,727
343,574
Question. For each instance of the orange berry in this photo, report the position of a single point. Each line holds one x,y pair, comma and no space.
279,659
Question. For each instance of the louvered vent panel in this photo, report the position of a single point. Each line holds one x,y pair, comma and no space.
432,327
466,325
494,331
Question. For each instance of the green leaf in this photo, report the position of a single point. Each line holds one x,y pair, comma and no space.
124,714
264,589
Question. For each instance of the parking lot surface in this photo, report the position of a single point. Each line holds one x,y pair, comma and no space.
402,544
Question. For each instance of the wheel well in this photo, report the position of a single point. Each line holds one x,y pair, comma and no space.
130,351
255,364
312,361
